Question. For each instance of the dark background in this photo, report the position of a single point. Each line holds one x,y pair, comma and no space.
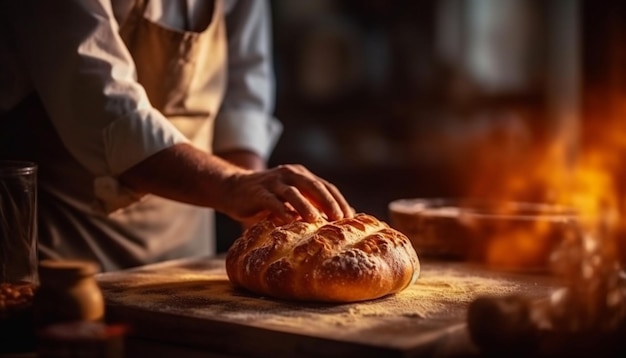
384,99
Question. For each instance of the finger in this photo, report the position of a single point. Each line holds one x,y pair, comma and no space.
347,210
271,206
299,202
322,198
249,221
290,216
325,196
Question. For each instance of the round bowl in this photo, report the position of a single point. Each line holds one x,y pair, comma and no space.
505,235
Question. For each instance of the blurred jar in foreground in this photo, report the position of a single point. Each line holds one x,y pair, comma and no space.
68,293
18,254
69,313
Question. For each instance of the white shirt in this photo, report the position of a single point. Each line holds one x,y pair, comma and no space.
70,53
86,77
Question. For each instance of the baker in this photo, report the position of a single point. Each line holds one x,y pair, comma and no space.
143,116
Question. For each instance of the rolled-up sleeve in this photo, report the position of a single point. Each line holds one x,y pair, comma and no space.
245,119
86,79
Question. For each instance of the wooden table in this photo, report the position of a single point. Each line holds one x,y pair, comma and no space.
189,307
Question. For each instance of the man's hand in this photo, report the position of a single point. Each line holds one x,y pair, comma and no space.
282,193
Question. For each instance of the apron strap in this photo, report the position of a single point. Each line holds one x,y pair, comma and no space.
140,7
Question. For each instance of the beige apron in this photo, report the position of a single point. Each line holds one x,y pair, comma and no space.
184,75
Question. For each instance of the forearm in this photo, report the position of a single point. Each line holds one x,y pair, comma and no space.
183,173
244,159
187,174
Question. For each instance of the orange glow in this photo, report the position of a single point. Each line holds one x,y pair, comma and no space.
587,183
517,250
587,179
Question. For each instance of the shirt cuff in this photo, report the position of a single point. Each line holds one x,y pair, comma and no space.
244,129
129,141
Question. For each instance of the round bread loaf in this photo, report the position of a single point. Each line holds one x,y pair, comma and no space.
348,260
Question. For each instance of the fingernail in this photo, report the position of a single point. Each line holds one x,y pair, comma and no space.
313,217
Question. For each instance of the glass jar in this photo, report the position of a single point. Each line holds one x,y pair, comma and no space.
68,292
18,254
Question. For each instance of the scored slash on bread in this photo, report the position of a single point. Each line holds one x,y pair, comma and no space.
347,260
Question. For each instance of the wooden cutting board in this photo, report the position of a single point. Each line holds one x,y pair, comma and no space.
191,303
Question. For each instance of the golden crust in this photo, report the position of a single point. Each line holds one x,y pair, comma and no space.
347,260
